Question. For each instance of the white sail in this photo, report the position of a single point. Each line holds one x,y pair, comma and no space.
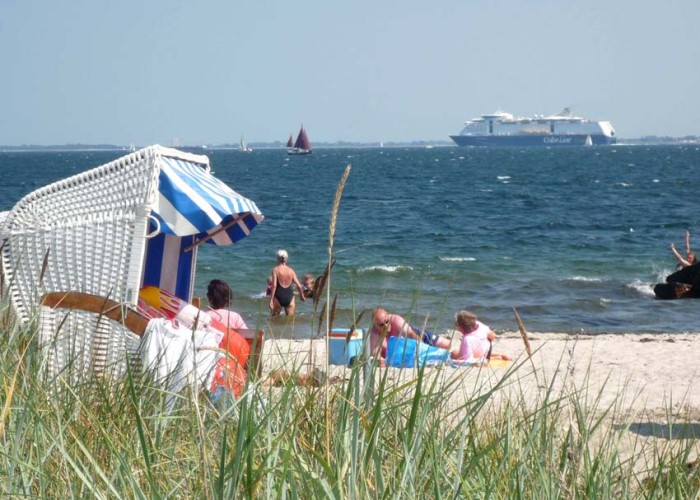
243,146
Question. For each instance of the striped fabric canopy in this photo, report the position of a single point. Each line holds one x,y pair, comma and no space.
192,201
192,207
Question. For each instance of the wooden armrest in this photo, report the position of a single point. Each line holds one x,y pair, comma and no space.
130,318
255,339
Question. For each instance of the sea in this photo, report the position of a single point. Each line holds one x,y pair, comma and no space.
572,238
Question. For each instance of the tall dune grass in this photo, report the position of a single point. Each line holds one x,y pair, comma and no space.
393,437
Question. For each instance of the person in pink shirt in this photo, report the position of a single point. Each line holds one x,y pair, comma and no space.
477,339
219,297
227,321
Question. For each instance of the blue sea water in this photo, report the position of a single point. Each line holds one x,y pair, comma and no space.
573,238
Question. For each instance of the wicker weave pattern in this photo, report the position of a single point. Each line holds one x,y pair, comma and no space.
90,231
87,224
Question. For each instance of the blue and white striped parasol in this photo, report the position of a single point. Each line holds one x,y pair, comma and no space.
191,201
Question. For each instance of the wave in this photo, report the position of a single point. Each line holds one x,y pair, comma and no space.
585,279
503,177
384,269
643,288
457,259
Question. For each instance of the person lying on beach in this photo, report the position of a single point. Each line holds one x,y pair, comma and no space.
387,325
477,340
690,257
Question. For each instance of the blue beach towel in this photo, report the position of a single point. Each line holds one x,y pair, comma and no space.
402,352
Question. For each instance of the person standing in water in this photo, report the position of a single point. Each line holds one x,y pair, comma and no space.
690,257
282,293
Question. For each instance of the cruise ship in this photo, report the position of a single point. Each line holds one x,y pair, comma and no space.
564,129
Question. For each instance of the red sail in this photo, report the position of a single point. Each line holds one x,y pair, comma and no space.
290,142
303,140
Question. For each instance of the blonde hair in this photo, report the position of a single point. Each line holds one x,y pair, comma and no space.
465,319
282,255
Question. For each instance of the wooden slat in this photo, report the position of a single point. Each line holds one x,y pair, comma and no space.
133,320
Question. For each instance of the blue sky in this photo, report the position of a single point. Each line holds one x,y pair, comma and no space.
157,71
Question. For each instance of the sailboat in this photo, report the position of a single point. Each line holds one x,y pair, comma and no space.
589,141
302,146
243,146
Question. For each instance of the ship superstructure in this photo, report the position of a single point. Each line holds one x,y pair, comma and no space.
564,129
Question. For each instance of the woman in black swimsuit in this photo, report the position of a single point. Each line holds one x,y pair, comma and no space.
283,277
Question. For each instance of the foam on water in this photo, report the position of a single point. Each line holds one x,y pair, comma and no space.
585,279
641,287
385,269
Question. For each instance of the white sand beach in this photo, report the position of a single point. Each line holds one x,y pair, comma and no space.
650,381
652,371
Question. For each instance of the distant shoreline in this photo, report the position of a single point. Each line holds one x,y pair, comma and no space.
642,141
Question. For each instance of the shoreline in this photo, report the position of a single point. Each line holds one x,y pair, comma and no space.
640,387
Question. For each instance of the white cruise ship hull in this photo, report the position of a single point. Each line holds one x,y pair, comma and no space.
564,129
532,140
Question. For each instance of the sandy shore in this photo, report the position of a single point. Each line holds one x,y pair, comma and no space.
649,380
651,371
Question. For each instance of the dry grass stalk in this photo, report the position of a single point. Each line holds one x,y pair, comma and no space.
523,333
331,318
44,265
336,205
353,327
320,283
331,237
320,319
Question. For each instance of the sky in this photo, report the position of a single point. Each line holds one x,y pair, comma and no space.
209,71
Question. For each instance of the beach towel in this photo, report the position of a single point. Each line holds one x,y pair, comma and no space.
406,353
179,357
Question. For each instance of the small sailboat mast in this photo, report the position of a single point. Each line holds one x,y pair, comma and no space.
302,141
302,146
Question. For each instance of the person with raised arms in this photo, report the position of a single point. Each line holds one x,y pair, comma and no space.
690,257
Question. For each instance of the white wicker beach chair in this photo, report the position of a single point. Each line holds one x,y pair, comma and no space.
103,232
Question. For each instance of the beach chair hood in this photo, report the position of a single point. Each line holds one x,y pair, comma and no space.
191,201
89,232
110,231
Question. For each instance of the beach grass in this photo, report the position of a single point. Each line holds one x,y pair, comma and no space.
400,433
